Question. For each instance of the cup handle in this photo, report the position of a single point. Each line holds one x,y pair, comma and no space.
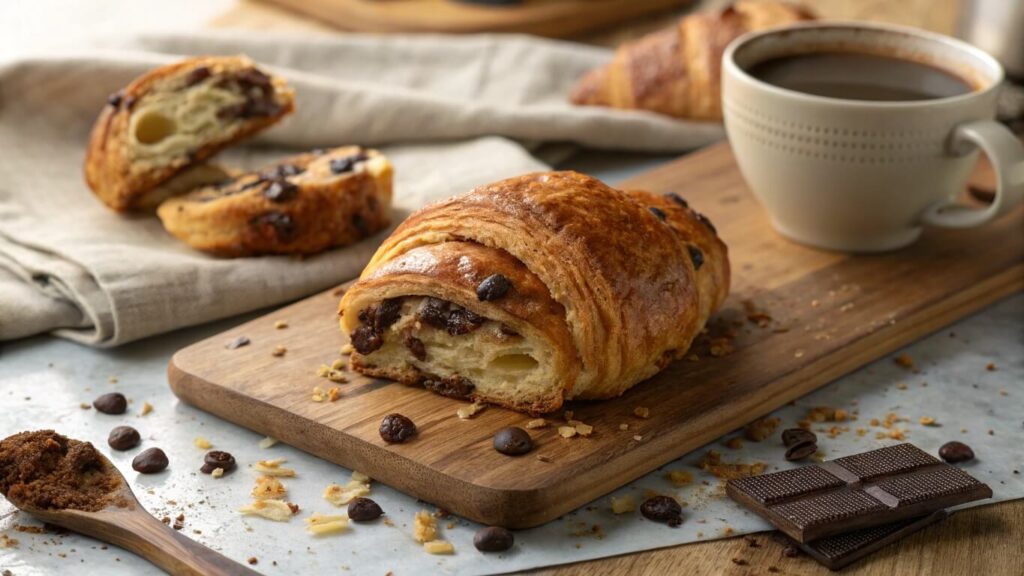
1006,153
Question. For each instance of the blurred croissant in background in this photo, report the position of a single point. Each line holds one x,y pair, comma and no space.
677,71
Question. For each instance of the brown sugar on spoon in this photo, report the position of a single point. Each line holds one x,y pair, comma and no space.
45,470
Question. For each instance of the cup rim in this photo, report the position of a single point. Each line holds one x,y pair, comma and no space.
731,67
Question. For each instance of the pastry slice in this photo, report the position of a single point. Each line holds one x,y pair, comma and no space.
303,205
171,119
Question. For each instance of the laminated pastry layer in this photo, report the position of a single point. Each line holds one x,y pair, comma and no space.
464,320
305,204
637,273
175,117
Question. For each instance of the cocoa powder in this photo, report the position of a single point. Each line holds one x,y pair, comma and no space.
46,470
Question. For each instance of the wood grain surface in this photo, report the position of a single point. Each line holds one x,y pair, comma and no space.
831,313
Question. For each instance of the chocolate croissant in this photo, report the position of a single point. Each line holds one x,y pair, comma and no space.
535,290
677,71
169,120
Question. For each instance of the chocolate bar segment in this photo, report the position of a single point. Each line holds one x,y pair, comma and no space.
855,492
835,552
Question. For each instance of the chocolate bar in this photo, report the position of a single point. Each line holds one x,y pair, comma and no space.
835,552
855,492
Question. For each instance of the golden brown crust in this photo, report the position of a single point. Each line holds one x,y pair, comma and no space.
299,206
119,179
637,274
677,71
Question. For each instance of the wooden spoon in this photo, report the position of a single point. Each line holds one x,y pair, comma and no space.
134,529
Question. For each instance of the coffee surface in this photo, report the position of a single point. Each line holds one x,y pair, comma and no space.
854,76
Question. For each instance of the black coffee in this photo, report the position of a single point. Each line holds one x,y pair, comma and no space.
855,76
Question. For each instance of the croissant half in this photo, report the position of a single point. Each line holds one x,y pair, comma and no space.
537,289
677,71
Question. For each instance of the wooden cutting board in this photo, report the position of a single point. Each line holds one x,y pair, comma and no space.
554,18
830,313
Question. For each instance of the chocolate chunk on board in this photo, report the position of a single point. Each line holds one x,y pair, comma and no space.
836,552
855,492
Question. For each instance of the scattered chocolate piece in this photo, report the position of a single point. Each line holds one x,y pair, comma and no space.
513,441
217,459
365,340
197,75
342,165
150,461
124,438
237,343
493,539
704,220
677,199
662,509
396,429
696,256
115,99
493,287
956,452
278,223
794,436
658,212
836,552
854,492
111,403
363,510
800,451
416,347
281,191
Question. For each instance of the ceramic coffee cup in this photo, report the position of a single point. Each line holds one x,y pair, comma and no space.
865,175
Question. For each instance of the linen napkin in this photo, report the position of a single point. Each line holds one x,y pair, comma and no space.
451,113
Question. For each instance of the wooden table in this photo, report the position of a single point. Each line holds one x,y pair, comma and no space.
984,540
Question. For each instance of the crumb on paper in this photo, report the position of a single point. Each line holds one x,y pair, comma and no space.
734,443
268,488
112,380
928,421
904,360
253,560
279,351
566,431
322,525
8,542
358,476
217,473
341,495
85,406
827,414
424,527
439,547
679,478
712,462
202,443
273,468
268,442
642,412
277,510
536,423
623,504
468,411
990,367
146,408
901,386
281,324
761,429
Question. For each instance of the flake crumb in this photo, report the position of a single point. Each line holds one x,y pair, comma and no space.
424,527
322,525
623,504
146,408
281,324
85,406
268,488
268,442
470,410
623,426
761,429
642,412
990,367
279,351
680,478
202,443
904,360
217,472
536,423
638,438
276,510
439,547
347,349
566,431
928,421
273,468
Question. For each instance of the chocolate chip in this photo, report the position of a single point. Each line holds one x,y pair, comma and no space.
252,77
513,441
493,287
217,459
197,75
462,321
396,429
658,212
954,452
696,256
794,436
434,313
237,343
282,171
363,510
123,438
280,224
365,340
129,101
706,222
677,199
662,509
493,539
452,386
346,164
150,461
416,347
260,107
111,403
387,314
115,99
800,451
281,191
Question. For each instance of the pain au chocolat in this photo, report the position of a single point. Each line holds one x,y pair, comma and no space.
535,290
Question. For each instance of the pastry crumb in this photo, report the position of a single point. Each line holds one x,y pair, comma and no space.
536,423
338,364
566,431
273,468
583,429
543,458
735,443
322,525
424,527
281,324
638,437
624,504
928,421
202,443
439,547
85,406
146,408
357,487
347,349
318,394
904,360
680,478
990,367
336,376
277,510
322,370
217,472
468,411
760,429
279,351
268,442
333,393
268,488
642,412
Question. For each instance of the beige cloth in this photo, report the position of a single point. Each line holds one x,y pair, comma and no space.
452,113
